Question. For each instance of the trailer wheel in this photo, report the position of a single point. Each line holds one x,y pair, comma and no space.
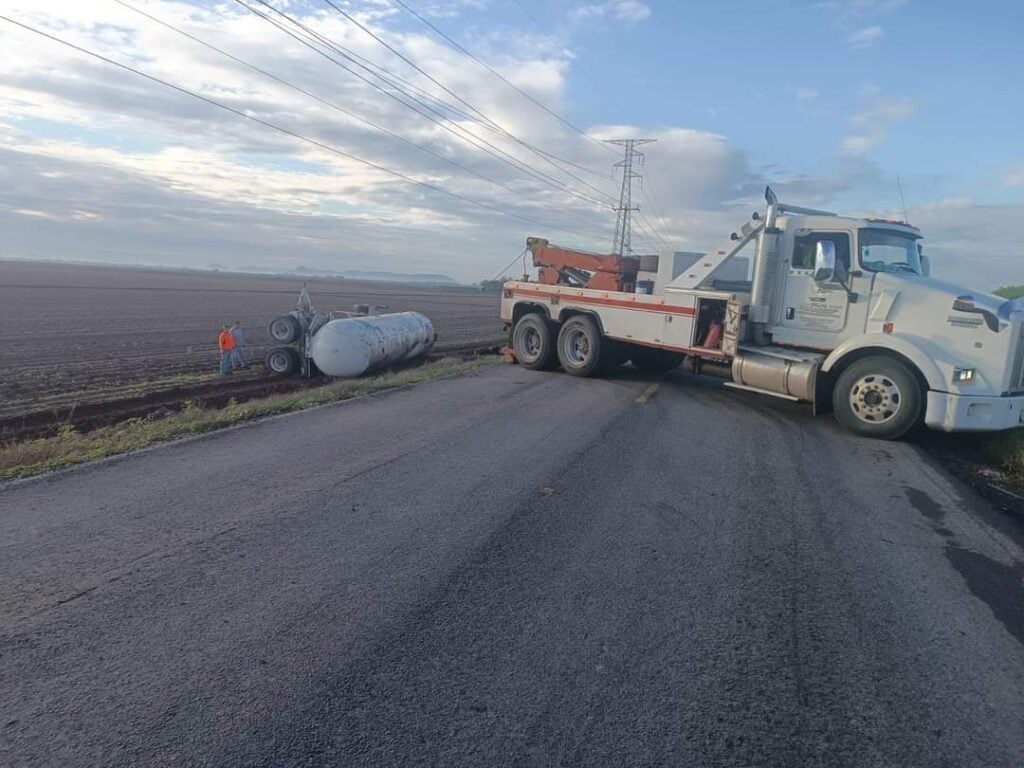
285,329
877,397
582,350
648,360
533,341
283,361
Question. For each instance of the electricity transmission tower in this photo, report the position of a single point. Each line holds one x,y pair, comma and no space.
623,230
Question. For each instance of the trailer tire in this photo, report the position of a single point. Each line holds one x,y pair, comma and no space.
533,341
878,397
285,329
283,361
649,360
582,350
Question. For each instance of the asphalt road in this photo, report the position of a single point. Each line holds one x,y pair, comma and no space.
513,568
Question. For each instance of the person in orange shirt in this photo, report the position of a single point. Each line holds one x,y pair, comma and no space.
227,346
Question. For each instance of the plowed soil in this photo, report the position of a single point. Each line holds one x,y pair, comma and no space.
73,335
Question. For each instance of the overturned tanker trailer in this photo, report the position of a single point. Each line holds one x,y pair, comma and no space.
345,344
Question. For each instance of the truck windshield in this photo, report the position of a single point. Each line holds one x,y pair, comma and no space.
883,250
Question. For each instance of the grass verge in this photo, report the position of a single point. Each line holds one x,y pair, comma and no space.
1006,450
33,457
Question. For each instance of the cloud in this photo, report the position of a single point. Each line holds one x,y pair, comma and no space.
860,9
451,9
864,38
971,244
103,166
113,168
861,145
873,124
1015,178
629,11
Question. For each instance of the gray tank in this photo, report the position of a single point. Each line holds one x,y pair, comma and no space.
352,346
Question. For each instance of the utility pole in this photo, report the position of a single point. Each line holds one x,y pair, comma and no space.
623,231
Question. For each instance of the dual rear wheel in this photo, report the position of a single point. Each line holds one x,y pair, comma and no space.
577,345
580,348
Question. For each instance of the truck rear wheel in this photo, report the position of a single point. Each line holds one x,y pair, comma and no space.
877,397
283,361
533,341
649,360
582,350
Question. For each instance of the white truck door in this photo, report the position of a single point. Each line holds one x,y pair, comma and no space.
808,308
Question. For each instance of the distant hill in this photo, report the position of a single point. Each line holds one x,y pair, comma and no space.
401,277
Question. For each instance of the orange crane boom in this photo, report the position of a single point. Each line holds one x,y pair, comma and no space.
598,271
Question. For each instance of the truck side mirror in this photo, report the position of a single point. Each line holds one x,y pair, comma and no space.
824,261
926,266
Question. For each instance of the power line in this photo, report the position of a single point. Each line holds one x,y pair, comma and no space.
483,120
652,231
643,227
546,156
406,59
654,199
517,258
389,78
280,129
500,76
657,225
326,102
417,106
574,65
663,221
320,99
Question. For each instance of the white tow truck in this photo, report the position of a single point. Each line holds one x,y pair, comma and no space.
838,312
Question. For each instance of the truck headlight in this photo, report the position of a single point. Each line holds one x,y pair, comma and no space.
963,375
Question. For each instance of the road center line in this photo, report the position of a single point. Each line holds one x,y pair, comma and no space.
644,396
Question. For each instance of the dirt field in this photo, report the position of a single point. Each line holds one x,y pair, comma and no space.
68,330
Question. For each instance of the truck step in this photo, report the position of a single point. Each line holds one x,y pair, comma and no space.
758,390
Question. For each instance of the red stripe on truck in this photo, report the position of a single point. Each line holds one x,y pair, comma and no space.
663,309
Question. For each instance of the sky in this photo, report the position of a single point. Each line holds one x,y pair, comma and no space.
436,135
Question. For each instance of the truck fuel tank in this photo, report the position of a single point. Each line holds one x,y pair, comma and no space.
794,378
352,346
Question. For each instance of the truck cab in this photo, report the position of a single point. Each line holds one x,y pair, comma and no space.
840,312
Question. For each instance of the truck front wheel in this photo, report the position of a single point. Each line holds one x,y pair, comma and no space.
582,350
877,397
533,341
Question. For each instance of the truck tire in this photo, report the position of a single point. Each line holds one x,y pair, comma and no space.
878,397
582,350
285,329
654,361
533,341
283,361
